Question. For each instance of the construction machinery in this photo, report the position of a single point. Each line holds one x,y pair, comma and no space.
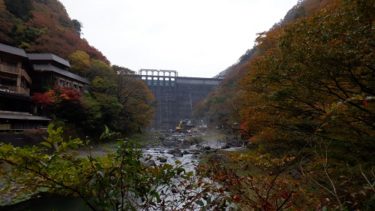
184,126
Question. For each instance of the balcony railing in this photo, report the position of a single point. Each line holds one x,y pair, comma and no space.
8,69
15,71
15,90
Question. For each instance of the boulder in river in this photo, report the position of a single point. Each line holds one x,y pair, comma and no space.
207,148
176,152
226,146
195,152
162,159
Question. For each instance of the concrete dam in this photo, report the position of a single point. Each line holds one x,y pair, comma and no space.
175,96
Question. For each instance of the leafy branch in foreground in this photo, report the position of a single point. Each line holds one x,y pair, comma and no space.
116,181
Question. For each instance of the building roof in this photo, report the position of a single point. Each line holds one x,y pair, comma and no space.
52,68
12,50
21,116
48,57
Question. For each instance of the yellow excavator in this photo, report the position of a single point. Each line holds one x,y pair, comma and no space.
184,126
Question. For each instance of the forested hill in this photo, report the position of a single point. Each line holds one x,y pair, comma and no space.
304,101
223,104
42,26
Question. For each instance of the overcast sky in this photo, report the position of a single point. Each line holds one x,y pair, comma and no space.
195,37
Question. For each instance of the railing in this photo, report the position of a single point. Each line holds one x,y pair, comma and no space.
8,69
15,90
14,70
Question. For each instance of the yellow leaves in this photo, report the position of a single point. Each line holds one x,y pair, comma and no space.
80,61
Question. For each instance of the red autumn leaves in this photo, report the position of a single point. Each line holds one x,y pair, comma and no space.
56,95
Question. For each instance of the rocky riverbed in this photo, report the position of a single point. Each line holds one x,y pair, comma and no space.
187,149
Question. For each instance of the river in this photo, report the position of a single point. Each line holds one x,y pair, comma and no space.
186,149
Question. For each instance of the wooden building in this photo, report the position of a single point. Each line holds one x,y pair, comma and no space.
21,75
51,71
14,77
15,95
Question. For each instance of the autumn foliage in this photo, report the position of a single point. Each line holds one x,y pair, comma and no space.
69,94
42,26
308,90
56,95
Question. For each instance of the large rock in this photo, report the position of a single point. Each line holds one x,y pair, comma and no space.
162,159
176,152
207,148
186,152
226,146
195,152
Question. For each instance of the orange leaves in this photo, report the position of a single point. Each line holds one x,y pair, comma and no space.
69,94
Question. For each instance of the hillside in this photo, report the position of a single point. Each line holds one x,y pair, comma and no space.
42,26
113,100
225,113
304,102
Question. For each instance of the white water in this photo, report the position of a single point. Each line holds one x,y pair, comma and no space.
189,161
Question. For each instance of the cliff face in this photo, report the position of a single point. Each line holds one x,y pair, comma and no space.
42,26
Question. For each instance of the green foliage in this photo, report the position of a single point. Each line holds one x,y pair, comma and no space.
137,103
56,142
110,108
77,26
92,113
103,84
103,78
116,181
99,68
24,36
116,99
